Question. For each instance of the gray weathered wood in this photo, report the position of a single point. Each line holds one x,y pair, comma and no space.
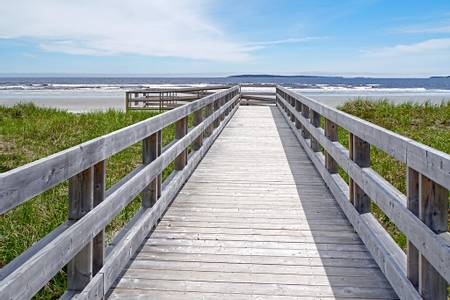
412,267
80,233
385,251
81,201
314,118
393,203
433,163
151,149
181,127
133,237
21,184
98,244
433,211
269,251
305,114
350,180
298,107
361,156
331,132
198,118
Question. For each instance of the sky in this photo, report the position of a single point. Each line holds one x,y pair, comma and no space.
389,38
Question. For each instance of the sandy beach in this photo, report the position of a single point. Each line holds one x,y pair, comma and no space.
95,99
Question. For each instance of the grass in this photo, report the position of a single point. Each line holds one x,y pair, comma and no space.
426,123
28,133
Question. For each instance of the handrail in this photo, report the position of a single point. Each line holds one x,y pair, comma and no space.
23,183
428,184
79,243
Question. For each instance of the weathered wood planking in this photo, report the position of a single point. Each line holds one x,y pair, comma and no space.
386,253
249,224
424,216
394,204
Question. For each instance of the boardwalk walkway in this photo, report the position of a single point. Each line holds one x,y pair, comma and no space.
254,221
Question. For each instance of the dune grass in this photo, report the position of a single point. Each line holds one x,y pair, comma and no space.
28,133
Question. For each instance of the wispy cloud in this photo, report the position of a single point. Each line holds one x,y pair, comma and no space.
425,28
175,28
284,41
426,47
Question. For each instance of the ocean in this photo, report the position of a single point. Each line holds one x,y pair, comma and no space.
79,94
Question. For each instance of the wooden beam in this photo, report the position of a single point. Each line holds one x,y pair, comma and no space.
314,118
98,251
198,118
350,180
361,156
332,134
305,114
298,107
412,254
151,149
79,269
180,132
433,211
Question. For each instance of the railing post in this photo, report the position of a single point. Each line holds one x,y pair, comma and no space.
332,134
216,122
314,119
208,111
99,195
350,180
292,102
198,118
151,149
298,108
412,254
180,132
305,114
361,156
433,211
81,194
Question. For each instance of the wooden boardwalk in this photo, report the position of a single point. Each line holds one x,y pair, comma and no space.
254,221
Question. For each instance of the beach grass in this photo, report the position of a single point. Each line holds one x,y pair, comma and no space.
28,133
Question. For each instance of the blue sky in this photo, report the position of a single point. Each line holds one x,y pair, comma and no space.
217,37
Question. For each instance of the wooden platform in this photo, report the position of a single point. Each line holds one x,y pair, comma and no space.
254,221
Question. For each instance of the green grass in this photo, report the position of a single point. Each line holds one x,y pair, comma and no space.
426,123
28,133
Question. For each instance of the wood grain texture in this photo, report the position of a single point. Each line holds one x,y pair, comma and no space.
388,255
436,247
256,224
433,163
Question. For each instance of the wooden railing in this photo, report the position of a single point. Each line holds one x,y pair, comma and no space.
79,243
422,214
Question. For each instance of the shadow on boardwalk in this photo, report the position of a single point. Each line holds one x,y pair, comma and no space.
347,265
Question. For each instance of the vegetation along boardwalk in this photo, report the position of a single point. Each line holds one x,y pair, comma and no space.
255,209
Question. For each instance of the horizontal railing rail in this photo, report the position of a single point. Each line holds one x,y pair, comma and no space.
79,243
422,215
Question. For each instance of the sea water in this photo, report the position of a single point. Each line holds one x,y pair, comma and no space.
80,94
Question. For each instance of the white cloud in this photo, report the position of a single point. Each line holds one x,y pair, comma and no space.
177,28
427,47
284,41
430,28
